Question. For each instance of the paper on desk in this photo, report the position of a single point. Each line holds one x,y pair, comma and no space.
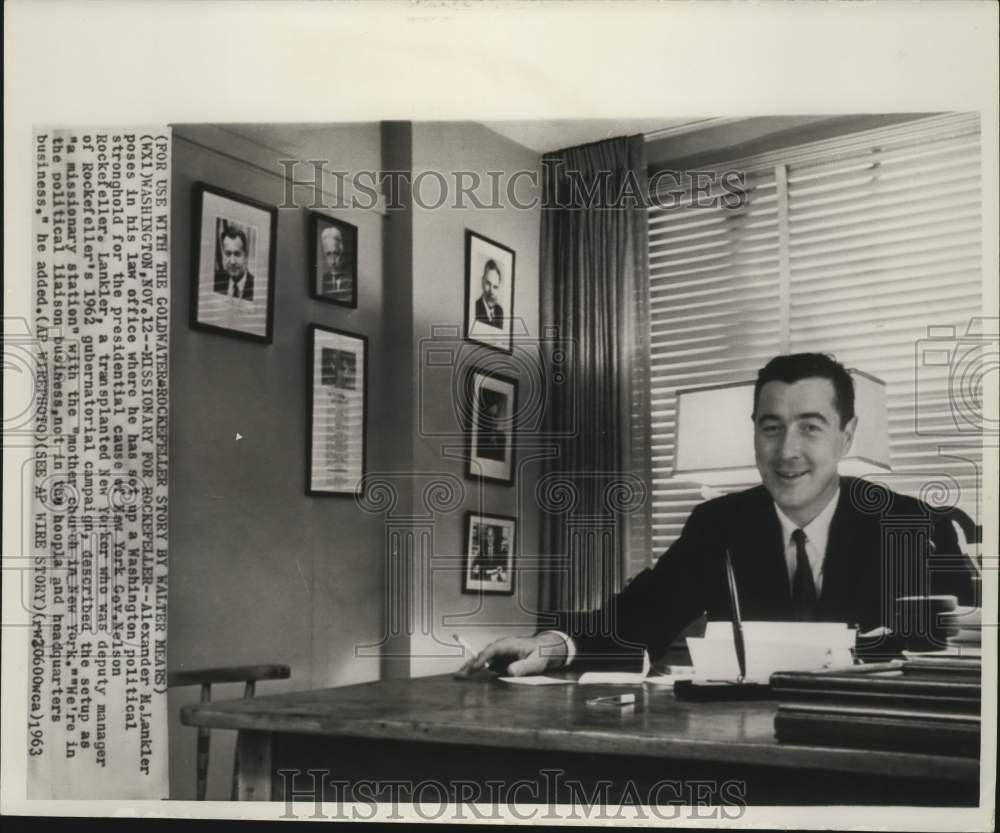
611,678
770,647
967,651
830,634
537,679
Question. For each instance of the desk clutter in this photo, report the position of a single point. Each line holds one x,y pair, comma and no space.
925,704
965,630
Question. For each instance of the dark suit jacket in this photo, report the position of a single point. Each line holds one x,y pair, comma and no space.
877,551
482,316
223,285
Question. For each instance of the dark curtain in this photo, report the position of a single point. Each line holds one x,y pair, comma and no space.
595,492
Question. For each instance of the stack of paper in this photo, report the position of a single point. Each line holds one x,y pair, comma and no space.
770,647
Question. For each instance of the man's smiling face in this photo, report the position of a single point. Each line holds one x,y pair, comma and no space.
798,441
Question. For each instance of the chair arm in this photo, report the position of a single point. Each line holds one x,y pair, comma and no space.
228,674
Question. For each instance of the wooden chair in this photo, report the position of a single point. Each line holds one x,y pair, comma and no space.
206,677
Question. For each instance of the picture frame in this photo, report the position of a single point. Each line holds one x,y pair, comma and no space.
489,292
336,412
490,553
333,270
232,283
491,427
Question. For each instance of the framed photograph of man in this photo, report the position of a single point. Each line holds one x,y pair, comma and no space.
336,411
490,546
492,406
333,275
489,292
232,288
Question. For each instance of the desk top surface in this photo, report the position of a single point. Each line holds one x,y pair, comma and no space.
486,712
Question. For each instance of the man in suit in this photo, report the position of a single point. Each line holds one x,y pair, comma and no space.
807,545
234,279
488,309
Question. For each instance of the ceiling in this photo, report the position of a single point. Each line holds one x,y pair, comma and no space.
556,134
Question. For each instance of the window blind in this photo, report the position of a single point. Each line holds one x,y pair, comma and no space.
867,247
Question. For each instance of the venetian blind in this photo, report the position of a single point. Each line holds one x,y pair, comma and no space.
868,247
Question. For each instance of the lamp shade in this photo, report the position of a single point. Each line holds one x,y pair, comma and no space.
714,440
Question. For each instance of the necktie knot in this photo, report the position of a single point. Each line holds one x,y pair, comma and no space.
799,538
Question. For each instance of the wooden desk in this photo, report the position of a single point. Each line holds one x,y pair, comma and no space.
464,733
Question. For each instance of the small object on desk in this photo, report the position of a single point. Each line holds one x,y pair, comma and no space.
617,700
673,674
703,690
920,621
537,679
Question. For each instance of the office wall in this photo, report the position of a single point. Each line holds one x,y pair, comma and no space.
258,571
438,277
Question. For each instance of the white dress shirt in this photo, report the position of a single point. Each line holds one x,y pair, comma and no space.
817,534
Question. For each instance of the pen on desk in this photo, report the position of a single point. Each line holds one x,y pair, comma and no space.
734,605
469,650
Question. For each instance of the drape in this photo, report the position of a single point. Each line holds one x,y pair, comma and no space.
595,493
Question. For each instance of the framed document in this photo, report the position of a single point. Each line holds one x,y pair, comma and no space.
336,411
232,287
491,541
489,292
333,275
492,398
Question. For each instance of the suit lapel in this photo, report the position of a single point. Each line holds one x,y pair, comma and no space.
838,593
758,550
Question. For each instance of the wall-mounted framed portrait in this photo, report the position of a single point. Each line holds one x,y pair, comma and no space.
491,429
490,549
489,292
336,412
333,273
232,286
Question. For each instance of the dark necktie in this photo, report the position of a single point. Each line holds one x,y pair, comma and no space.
803,587
236,289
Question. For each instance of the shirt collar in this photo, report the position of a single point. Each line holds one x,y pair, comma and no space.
817,530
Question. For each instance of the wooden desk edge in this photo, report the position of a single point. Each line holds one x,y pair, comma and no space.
844,759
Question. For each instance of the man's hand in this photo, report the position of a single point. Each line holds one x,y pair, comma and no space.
527,655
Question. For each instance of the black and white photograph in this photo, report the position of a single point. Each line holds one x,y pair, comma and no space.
233,283
489,292
492,430
626,459
334,274
337,412
490,548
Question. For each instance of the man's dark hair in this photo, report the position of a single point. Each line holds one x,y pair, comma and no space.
491,266
796,366
234,233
